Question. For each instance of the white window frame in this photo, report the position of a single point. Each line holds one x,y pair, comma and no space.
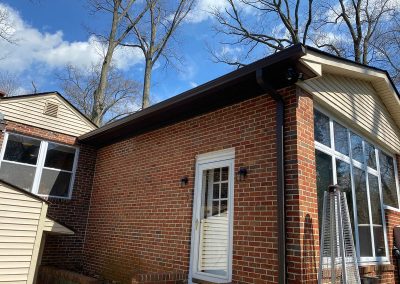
206,161
348,159
40,164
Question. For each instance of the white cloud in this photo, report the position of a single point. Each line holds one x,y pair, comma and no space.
193,84
50,50
201,11
227,50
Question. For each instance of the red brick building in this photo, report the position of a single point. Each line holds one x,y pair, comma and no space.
224,183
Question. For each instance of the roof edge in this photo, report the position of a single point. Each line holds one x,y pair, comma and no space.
293,52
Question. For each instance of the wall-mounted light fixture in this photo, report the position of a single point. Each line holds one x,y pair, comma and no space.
184,181
241,174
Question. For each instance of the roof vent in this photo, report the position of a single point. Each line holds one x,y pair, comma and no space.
51,109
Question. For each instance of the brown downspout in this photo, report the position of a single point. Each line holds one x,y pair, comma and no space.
280,143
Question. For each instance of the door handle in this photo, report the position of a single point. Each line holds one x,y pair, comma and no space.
196,224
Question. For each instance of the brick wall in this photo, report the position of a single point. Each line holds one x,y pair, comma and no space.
301,193
140,218
390,273
65,251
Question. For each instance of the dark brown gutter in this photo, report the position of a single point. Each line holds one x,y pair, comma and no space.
231,88
280,170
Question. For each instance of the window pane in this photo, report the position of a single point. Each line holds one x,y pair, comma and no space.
224,173
364,226
59,157
389,190
224,207
356,147
341,139
54,183
22,149
216,191
217,175
324,178
344,181
19,175
215,208
370,155
376,211
224,190
321,128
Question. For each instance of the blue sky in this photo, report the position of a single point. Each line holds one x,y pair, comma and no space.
55,33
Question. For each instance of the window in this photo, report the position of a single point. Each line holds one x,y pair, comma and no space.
365,173
40,167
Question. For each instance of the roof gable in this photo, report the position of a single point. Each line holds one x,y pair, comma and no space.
363,96
49,111
379,79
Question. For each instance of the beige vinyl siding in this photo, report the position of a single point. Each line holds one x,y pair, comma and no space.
21,227
30,111
356,102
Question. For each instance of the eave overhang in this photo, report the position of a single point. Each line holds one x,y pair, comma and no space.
241,85
229,89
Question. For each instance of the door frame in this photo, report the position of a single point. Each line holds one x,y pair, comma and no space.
206,161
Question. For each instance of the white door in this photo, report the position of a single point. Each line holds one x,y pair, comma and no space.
211,255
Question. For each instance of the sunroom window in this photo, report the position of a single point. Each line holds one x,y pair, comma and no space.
41,167
365,173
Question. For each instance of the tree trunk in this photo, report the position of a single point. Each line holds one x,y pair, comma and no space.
357,51
98,106
147,83
98,95
365,51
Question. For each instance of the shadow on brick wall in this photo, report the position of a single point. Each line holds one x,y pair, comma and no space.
309,252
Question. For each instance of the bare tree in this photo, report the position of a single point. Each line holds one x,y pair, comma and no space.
121,95
387,45
153,34
279,24
10,83
350,28
6,29
120,28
